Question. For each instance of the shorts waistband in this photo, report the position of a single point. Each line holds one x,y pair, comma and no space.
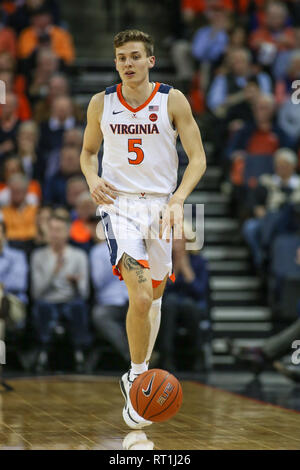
143,195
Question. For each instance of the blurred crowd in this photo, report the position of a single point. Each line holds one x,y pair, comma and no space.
56,279
239,64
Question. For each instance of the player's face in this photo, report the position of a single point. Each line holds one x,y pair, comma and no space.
132,62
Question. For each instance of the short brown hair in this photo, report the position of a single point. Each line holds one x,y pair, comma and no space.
135,35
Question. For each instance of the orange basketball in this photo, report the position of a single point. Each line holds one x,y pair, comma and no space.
156,395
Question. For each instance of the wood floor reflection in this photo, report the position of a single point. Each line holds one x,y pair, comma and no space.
79,412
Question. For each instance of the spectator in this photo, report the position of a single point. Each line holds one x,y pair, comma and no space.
262,136
185,302
13,284
58,86
19,217
11,166
42,226
43,32
55,187
8,41
237,37
7,62
80,233
9,123
47,65
51,136
59,289
111,298
76,185
272,352
269,205
27,143
288,113
209,42
228,89
284,87
273,39
73,137
11,86
20,19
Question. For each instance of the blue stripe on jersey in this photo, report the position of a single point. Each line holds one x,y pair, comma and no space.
111,89
164,88
110,237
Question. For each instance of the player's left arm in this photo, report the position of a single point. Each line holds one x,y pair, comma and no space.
180,114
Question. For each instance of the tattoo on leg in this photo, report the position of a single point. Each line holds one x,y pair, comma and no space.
140,275
131,264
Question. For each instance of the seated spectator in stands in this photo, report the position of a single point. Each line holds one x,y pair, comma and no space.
42,31
27,143
111,297
20,19
23,107
47,64
227,90
269,203
51,134
7,62
261,136
210,42
73,137
288,97
9,123
58,86
271,41
13,286
76,185
237,37
273,351
8,40
19,216
80,233
13,165
284,86
60,288
55,187
185,301
42,226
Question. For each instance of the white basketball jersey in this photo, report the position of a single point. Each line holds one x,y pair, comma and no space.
139,143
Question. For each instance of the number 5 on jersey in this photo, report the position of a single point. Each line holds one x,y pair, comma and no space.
133,147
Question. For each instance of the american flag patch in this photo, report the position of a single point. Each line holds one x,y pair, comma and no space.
153,108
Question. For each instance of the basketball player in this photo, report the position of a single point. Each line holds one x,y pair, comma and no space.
139,122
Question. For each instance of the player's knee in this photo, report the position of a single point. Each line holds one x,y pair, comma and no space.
142,303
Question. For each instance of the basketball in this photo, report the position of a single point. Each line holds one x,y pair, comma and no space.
156,395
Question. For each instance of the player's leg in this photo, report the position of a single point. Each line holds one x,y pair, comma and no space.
138,281
155,316
139,285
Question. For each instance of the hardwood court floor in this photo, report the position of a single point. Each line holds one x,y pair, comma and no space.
84,412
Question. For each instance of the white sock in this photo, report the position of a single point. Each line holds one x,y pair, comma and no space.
154,317
137,369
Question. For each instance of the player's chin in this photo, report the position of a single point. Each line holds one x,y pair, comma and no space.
129,77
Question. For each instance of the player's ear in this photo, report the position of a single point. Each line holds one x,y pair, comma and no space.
151,60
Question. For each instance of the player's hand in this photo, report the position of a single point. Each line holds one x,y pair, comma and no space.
172,218
102,192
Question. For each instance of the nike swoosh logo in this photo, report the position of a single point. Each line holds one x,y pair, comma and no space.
147,392
118,112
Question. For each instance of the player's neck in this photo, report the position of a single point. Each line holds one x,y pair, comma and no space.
136,94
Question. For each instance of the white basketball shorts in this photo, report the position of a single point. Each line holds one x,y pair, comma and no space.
131,225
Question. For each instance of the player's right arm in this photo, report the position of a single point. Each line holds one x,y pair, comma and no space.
99,188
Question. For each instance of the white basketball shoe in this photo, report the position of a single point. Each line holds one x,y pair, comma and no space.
130,416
